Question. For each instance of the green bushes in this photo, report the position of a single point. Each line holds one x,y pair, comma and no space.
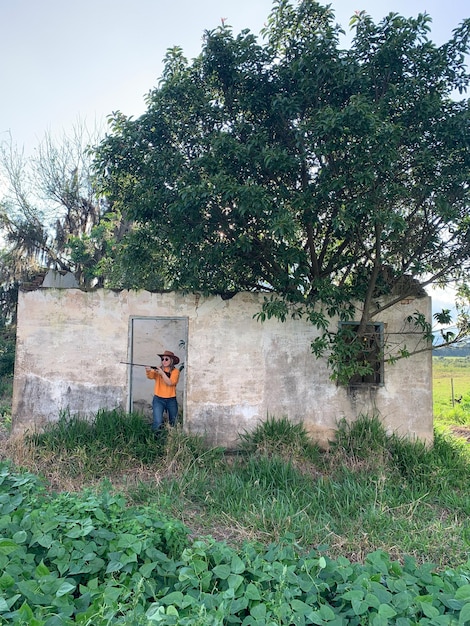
279,585
280,437
76,558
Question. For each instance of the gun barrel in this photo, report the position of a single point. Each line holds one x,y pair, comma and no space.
153,367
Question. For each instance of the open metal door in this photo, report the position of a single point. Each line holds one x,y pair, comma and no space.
148,337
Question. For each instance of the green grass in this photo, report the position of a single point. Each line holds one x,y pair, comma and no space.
369,492
451,395
451,381
99,446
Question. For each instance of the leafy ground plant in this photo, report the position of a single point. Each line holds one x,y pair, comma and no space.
90,559
68,558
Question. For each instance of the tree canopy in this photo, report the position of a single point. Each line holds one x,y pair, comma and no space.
334,179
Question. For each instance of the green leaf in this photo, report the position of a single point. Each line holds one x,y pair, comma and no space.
464,615
32,592
259,611
147,568
64,589
353,594
7,546
20,536
172,610
463,593
25,613
114,566
222,571
199,565
238,604
111,594
359,607
252,592
387,611
237,566
429,610
235,580
326,613
300,607
45,540
175,597
42,570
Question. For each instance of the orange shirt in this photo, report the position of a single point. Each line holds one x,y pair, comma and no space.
161,388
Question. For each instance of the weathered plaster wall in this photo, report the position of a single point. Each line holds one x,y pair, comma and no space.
238,371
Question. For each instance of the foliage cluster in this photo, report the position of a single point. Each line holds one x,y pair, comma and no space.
7,350
48,201
297,168
77,558
7,363
89,559
285,164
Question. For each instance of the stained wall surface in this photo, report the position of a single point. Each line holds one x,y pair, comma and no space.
238,371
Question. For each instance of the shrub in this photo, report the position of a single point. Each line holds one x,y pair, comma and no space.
280,437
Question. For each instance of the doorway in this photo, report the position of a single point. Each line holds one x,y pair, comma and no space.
149,337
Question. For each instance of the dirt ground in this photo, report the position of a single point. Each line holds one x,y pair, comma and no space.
462,431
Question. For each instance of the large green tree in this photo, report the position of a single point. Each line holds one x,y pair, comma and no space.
335,180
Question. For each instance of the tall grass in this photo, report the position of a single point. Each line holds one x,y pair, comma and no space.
103,444
279,437
369,491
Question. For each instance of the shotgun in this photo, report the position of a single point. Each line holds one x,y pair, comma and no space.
152,367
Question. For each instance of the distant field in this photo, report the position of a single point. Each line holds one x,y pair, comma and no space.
451,379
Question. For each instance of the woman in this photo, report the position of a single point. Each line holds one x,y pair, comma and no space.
166,378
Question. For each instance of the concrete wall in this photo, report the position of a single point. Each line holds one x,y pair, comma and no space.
238,371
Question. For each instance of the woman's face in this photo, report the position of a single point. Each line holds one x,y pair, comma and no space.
166,361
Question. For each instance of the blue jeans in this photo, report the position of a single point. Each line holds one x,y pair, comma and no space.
163,404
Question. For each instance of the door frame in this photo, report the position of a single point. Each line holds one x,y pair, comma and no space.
182,347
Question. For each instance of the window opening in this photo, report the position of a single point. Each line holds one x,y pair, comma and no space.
365,353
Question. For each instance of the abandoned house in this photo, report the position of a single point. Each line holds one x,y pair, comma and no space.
78,352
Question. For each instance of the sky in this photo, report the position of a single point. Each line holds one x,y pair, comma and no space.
65,61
